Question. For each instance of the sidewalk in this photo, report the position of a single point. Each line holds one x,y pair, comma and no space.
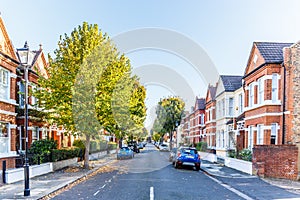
43,185
218,170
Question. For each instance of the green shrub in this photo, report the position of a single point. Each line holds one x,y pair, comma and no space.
42,149
201,146
246,155
232,153
79,143
65,153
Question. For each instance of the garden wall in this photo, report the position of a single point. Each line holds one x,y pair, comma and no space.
277,161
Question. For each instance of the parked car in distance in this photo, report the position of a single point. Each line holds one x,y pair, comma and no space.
140,146
172,154
163,147
125,152
187,156
133,146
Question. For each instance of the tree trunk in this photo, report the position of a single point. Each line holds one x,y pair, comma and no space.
171,140
87,151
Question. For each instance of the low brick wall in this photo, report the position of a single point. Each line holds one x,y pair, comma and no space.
277,161
10,162
63,163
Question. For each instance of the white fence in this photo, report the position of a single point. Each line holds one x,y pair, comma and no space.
14,175
237,164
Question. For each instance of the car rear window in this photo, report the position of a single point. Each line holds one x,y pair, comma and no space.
190,151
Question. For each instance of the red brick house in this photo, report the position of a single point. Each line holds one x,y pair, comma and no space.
12,136
197,121
271,113
210,117
8,65
37,128
263,88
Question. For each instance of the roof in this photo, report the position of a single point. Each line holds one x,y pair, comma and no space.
231,83
272,52
212,89
201,103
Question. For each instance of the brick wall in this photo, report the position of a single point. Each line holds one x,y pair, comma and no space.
276,161
10,162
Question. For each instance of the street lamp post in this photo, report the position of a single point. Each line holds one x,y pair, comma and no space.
25,60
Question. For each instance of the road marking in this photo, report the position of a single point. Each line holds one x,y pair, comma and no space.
151,193
96,192
231,188
99,190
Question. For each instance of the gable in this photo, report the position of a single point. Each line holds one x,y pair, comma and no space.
265,53
220,87
208,95
255,60
40,64
6,46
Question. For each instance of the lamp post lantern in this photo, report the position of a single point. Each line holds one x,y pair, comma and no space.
25,61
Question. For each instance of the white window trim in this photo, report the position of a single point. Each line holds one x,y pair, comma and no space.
274,95
261,91
260,134
250,137
5,86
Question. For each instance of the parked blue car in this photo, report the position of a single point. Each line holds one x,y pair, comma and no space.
187,156
125,152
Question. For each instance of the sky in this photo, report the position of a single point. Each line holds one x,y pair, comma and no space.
222,30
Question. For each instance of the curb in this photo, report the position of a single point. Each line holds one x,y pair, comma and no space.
47,194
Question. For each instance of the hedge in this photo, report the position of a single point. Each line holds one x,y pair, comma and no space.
65,153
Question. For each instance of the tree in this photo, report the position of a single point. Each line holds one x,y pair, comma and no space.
79,58
90,87
156,137
120,100
169,113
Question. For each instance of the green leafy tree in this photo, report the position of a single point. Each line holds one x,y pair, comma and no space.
156,137
79,60
169,113
120,100
88,81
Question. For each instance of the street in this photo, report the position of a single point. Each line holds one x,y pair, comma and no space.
149,175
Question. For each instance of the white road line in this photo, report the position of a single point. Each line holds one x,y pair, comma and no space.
151,193
96,192
231,189
99,190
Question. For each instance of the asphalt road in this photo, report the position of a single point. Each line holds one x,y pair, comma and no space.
150,176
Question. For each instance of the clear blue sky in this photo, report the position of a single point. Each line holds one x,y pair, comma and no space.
225,29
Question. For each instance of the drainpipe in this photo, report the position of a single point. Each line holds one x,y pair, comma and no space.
283,105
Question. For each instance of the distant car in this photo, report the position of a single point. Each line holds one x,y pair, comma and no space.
134,146
172,154
125,152
187,156
163,147
140,146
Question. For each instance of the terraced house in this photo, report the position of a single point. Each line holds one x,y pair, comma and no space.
225,111
8,76
12,87
197,121
210,117
264,92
